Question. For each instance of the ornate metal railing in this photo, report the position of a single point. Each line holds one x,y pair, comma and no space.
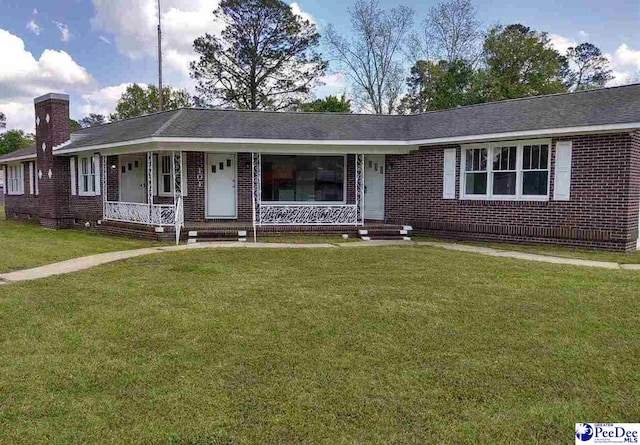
179,219
303,213
294,215
159,215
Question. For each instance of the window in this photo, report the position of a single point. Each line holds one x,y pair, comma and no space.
504,171
163,174
15,179
535,169
87,176
517,171
476,171
303,178
165,186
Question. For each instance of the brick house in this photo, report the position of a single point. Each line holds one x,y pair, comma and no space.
561,169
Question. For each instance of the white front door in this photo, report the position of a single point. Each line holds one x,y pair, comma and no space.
374,187
221,185
133,185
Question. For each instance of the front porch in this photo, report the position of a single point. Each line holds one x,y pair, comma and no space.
181,191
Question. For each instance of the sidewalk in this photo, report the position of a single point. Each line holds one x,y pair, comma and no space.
88,262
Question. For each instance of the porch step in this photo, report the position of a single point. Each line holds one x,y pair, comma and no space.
384,233
139,231
222,234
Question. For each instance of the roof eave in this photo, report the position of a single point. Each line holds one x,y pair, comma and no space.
18,158
548,132
351,146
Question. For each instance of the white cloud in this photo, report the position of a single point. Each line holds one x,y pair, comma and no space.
625,63
35,11
562,43
27,77
65,32
297,10
103,101
34,27
133,24
584,35
335,84
105,40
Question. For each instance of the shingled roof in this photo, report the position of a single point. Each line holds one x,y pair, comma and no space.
23,153
616,107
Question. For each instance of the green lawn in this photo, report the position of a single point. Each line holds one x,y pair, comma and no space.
568,252
25,245
337,346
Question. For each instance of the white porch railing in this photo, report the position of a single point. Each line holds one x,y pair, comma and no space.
295,215
307,213
157,214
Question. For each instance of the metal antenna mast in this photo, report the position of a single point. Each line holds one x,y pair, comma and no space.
160,92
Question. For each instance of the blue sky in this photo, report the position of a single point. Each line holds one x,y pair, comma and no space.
92,49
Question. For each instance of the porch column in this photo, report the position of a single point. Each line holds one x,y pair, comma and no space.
256,186
359,189
104,186
178,202
150,185
256,191
176,162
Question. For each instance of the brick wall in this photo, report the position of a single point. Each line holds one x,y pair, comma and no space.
53,130
22,207
602,212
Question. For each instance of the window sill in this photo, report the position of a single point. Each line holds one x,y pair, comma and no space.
504,202
88,195
506,198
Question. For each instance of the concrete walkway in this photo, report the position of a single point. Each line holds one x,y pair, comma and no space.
78,264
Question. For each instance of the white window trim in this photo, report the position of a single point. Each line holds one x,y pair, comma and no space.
92,177
160,175
157,175
32,188
14,181
519,171
36,178
313,203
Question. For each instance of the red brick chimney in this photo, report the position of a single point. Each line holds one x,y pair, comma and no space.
52,129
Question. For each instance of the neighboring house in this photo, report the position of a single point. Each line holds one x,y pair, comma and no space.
561,169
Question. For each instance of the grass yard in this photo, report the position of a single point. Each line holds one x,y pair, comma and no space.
24,245
337,346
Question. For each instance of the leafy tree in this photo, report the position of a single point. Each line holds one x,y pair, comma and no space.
264,59
92,120
591,68
13,140
74,125
441,85
3,121
139,100
521,63
330,104
370,55
451,31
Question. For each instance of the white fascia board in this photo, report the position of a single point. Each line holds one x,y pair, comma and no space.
529,134
333,146
243,145
19,158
